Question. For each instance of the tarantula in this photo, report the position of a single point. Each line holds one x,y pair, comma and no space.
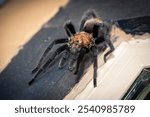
92,31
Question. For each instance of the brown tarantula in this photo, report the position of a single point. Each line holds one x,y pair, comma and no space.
92,32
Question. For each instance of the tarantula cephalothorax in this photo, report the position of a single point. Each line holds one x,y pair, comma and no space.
92,31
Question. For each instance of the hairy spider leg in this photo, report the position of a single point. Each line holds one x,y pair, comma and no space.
63,59
72,62
109,43
95,30
106,28
70,29
92,13
83,20
88,14
80,58
45,66
57,41
94,51
95,65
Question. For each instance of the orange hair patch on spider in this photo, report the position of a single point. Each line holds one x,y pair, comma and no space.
82,39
